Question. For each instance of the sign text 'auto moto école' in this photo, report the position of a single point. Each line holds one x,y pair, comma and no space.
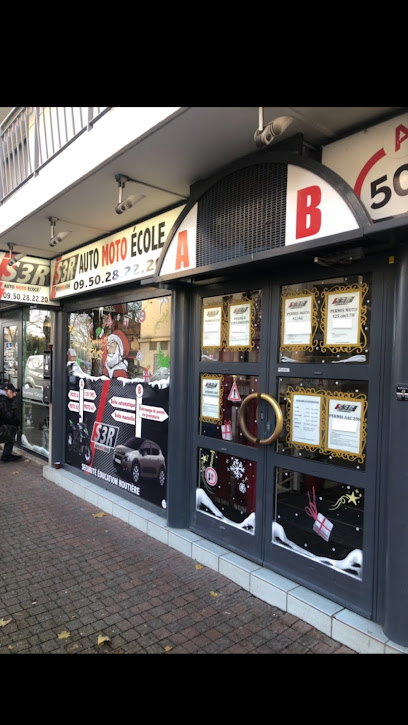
122,257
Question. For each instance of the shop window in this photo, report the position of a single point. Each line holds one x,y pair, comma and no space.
326,321
118,370
324,420
227,488
221,397
320,519
231,327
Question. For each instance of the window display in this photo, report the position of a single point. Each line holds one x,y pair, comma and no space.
227,489
320,519
231,327
118,369
326,321
325,420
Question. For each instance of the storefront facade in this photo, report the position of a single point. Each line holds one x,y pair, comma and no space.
237,366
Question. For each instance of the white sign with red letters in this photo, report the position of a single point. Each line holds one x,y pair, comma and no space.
313,210
374,163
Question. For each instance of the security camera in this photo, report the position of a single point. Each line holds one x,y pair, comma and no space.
123,206
128,203
265,136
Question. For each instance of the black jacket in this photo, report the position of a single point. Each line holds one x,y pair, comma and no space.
8,415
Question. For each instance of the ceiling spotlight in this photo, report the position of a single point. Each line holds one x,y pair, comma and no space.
14,258
125,204
265,135
56,238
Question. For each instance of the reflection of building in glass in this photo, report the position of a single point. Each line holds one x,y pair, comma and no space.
35,417
144,324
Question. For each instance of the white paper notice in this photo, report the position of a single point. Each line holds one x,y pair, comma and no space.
344,425
343,318
297,321
305,424
211,330
210,398
239,325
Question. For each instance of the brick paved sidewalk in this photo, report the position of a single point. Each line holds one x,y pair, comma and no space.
69,577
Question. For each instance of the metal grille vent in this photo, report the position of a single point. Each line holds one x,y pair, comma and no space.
244,213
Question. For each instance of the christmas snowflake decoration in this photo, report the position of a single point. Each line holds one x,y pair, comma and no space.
237,468
242,487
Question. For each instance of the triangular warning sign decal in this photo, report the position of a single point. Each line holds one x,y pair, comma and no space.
234,395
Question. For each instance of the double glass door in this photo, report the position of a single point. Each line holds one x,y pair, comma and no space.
286,426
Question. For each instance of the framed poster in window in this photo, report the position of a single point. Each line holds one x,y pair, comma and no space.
210,398
240,325
299,321
343,318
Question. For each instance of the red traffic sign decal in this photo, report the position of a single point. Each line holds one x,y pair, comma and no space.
211,476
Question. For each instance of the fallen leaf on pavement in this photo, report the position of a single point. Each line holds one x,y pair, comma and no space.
3,622
99,516
214,594
72,647
168,648
64,634
102,640
199,566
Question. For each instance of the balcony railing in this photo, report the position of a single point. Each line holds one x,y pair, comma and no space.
31,136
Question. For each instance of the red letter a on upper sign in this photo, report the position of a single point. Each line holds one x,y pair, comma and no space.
401,133
308,216
182,258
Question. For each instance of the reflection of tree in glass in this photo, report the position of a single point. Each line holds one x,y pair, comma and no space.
80,337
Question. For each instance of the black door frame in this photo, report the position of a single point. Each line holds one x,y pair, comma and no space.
360,595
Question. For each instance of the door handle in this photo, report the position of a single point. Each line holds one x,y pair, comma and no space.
279,418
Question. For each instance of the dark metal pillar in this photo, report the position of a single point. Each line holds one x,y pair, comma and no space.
396,527
178,482
58,389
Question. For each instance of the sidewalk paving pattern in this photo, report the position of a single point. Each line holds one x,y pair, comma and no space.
74,580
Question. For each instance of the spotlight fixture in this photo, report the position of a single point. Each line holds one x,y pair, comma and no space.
56,238
125,204
14,258
265,135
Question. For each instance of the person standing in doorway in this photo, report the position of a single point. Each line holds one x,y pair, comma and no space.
9,422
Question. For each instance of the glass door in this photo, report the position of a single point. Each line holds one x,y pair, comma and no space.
9,352
229,466
287,427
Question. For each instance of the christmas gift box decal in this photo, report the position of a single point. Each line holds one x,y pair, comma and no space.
322,526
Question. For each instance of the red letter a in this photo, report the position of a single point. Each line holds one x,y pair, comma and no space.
182,258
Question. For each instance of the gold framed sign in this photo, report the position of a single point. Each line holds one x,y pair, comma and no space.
211,327
305,418
299,320
211,398
240,325
343,318
346,430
